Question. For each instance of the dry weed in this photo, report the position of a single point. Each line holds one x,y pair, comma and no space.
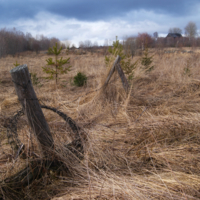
141,145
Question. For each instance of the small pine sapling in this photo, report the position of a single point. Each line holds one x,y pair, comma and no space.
147,60
16,64
117,49
58,64
80,79
129,68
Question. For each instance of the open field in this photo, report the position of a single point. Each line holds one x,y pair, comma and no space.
144,145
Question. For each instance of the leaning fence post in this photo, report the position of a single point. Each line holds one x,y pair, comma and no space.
28,99
112,70
122,76
116,66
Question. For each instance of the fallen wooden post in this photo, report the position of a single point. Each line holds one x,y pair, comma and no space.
28,99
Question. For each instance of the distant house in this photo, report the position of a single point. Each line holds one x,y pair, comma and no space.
173,39
174,35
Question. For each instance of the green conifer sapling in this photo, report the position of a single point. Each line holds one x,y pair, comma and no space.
58,64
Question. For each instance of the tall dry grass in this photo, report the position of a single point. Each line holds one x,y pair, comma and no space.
141,145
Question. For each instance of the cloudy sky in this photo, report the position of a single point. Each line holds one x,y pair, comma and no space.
97,20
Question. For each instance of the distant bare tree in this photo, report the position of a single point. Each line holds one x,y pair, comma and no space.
2,46
133,45
191,30
81,44
130,46
144,40
28,38
73,46
53,42
87,43
36,46
45,43
175,30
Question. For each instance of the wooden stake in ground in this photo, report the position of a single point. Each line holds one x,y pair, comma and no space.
117,60
28,99
122,76
116,66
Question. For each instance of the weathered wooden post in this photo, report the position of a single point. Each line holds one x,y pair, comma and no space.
116,66
28,99
112,70
122,76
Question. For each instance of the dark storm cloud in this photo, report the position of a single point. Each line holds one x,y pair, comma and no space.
91,10
80,20
12,10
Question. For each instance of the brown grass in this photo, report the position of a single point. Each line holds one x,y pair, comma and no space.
144,145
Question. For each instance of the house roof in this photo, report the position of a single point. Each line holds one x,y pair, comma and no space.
174,35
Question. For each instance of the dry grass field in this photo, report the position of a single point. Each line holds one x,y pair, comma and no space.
141,145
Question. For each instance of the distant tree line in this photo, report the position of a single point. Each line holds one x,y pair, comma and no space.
173,39
87,44
145,40
14,41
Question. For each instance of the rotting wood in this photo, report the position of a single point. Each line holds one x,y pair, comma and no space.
28,99
116,66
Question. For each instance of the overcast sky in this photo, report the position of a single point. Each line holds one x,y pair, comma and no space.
97,20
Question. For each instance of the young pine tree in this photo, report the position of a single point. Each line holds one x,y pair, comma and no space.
147,60
57,64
